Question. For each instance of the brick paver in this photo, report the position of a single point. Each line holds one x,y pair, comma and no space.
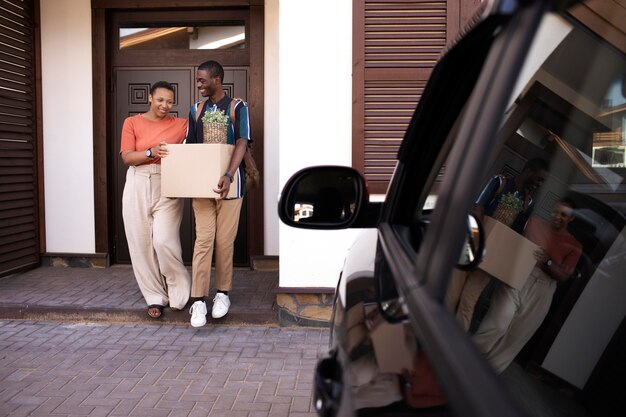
107,369
112,295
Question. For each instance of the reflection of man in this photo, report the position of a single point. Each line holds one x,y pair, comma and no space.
522,186
514,315
216,218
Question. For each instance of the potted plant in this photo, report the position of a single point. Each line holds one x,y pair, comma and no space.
508,208
214,123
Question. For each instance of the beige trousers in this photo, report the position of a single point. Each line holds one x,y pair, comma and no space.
216,227
513,317
472,286
152,225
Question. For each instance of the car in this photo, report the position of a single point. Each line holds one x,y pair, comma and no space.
529,80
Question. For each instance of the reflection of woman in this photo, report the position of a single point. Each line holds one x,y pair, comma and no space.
152,222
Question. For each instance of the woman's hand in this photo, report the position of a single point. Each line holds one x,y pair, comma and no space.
162,150
541,255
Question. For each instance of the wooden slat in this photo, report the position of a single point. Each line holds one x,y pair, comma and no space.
24,79
7,231
389,106
398,36
15,120
25,88
20,7
27,210
15,56
11,34
15,179
11,140
17,251
15,204
16,28
16,95
17,18
16,111
19,242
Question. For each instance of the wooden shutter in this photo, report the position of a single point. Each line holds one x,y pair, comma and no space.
396,45
19,241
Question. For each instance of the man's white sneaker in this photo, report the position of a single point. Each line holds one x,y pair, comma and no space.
198,314
221,304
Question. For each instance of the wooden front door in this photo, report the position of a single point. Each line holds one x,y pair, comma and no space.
132,86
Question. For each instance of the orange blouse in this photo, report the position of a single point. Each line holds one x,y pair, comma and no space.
139,133
563,248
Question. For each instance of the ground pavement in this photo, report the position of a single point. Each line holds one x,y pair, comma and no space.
112,295
78,342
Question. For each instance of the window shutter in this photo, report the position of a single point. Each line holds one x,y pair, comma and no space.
19,240
396,45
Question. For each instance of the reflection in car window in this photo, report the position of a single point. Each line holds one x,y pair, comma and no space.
546,305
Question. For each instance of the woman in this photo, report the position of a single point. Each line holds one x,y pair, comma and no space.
152,222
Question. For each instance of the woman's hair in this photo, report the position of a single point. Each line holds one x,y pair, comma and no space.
161,84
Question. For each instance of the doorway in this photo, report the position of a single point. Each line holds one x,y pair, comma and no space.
164,45
132,86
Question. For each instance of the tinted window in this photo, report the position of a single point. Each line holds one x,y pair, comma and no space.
547,305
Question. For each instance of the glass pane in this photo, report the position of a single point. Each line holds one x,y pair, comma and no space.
229,35
546,307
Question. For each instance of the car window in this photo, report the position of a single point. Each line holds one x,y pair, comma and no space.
546,305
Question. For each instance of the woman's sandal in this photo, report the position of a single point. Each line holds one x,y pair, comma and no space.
155,311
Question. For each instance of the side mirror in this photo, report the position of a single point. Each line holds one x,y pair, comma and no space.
322,197
474,247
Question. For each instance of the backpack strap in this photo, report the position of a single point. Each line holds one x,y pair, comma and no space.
500,188
233,104
199,106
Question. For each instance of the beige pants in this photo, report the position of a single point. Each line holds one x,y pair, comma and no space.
216,226
472,286
513,317
152,225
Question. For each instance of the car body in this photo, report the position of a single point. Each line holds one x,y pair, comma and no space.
529,79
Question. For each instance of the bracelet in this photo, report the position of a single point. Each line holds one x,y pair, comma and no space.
230,177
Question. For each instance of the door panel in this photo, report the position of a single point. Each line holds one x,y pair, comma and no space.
132,86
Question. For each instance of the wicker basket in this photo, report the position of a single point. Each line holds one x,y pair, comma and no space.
214,133
505,215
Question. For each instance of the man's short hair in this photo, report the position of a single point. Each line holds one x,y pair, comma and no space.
568,202
536,165
213,68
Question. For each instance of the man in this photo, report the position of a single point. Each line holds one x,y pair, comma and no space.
515,315
523,185
216,218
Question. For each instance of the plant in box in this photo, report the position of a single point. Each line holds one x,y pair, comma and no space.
214,123
508,208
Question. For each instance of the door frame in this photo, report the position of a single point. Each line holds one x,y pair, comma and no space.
103,104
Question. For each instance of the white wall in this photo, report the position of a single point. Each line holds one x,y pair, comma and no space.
67,125
271,133
314,125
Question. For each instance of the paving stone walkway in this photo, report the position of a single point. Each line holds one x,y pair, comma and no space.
112,295
152,370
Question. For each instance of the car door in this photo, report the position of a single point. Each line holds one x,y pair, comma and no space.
454,126
510,92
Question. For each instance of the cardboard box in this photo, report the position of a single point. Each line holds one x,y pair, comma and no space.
509,256
194,169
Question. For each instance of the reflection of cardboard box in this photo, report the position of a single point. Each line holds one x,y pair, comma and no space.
509,256
391,344
193,170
